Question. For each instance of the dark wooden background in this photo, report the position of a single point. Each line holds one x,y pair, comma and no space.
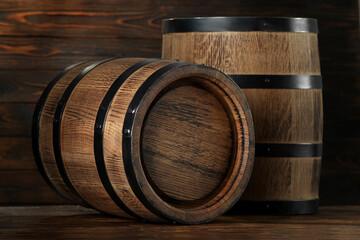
38,38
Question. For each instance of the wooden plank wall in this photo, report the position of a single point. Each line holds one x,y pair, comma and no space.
38,38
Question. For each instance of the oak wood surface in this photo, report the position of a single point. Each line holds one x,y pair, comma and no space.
286,116
299,179
280,115
125,19
19,187
246,52
74,222
113,152
77,134
43,37
45,131
202,114
15,119
28,53
77,151
18,152
243,139
200,160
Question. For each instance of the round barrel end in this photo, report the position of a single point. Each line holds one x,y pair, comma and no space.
192,156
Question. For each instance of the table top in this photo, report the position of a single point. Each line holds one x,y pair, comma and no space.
75,222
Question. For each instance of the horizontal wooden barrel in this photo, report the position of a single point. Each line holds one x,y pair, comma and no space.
275,61
153,139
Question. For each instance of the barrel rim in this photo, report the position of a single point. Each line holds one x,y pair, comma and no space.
241,24
133,160
293,150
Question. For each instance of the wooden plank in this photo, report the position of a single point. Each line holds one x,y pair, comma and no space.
54,53
16,154
341,154
340,182
340,165
37,40
341,88
24,86
343,215
19,187
74,222
342,54
6,5
142,19
27,86
16,118
337,53
341,121
339,186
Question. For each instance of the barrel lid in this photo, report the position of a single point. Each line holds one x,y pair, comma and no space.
242,24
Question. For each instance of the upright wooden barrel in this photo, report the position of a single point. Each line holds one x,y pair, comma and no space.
153,139
276,63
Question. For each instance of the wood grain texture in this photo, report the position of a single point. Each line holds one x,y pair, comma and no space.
286,116
256,52
80,160
15,119
28,53
142,19
45,131
77,133
25,86
19,187
17,152
113,152
339,167
74,222
243,137
43,37
299,179
197,165
280,115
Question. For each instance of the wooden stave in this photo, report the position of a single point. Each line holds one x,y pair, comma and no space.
64,163
147,217
49,172
100,122
171,38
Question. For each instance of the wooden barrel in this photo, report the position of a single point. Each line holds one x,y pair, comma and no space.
153,139
276,63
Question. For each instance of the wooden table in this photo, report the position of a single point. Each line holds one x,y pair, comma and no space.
75,222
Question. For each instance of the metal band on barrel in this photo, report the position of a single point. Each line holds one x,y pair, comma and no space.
36,127
240,24
288,150
99,133
278,81
57,126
